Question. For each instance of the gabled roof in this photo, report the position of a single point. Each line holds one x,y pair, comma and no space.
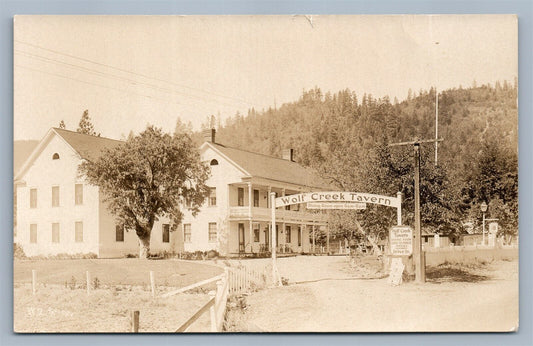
269,167
89,147
86,146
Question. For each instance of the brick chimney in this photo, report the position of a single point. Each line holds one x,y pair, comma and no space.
209,135
288,154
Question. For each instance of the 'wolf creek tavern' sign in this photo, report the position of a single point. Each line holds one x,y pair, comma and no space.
317,200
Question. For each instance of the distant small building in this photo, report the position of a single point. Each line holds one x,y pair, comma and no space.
433,239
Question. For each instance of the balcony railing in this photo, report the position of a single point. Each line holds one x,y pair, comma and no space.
281,215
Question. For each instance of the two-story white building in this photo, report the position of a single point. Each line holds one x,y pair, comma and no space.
59,213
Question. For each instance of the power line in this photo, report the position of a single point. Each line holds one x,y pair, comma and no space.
99,85
134,73
108,75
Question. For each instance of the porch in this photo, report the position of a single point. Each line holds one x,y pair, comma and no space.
291,238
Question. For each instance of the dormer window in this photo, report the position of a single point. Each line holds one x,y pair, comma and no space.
214,162
55,156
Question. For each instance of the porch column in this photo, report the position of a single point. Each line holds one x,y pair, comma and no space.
313,235
303,230
327,239
250,231
228,223
268,199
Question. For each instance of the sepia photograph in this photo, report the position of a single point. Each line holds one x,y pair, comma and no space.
265,173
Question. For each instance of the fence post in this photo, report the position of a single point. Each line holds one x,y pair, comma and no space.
88,282
135,321
33,279
212,313
152,283
226,272
219,293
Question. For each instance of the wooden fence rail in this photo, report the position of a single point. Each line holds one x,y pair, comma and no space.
233,281
216,305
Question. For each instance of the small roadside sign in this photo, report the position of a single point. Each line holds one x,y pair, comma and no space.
336,205
401,240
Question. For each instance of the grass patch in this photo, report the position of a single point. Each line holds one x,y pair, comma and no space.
113,272
455,272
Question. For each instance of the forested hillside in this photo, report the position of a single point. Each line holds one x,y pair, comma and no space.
344,137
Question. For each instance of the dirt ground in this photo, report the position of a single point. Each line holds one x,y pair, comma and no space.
328,294
61,303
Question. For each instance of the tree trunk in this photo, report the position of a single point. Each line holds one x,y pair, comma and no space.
144,246
375,247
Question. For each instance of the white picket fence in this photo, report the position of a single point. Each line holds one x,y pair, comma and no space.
244,279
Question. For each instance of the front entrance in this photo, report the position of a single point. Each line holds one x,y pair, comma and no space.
241,238
267,236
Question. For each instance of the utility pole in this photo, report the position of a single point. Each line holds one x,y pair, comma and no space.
418,254
436,122
420,274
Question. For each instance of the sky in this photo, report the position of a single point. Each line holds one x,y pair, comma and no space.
131,71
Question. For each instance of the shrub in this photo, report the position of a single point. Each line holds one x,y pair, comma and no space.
200,255
72,283
62,256
96,283
18,252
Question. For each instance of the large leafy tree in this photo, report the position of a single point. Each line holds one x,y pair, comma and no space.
151,175
493,178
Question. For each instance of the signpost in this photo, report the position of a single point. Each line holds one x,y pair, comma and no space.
401,244
401,240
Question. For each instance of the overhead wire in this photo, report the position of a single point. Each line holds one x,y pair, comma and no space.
120,78
132,72
102,86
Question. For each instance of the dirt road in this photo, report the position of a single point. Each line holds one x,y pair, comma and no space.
329,298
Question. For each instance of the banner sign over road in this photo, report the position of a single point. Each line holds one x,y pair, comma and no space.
401,240
336,205
338,196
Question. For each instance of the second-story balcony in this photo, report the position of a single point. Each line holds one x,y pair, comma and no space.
264,214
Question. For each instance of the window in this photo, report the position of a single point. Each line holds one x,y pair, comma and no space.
299,236
212,232
78,194
33,198
55,156
288,207
240,196
256,232
256,198
214,162
55,232
55,196
78,232
212,196
166,233
119,233
187,233
287,234
33,233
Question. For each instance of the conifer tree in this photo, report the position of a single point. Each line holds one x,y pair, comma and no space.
85,126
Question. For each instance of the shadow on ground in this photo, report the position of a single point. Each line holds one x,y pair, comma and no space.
453,274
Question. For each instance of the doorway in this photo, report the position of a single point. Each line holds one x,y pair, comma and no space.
241,238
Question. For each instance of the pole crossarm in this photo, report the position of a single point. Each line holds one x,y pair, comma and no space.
415,142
